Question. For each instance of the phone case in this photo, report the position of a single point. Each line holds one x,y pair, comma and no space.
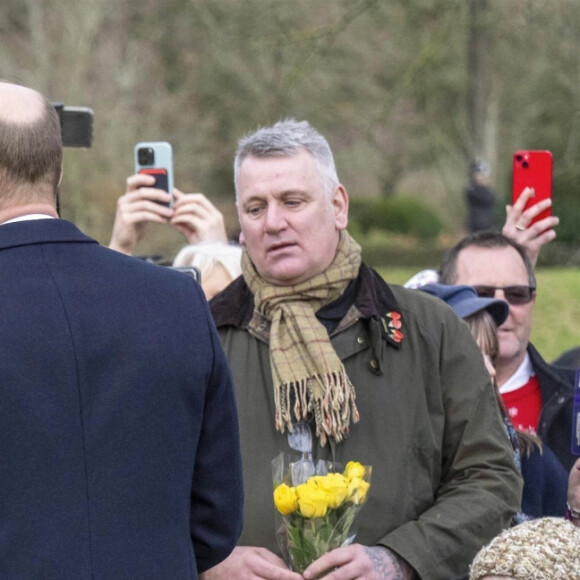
77,126
533,169
160,165
161,177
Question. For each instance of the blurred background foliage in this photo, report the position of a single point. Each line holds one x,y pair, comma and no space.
556,313
407,92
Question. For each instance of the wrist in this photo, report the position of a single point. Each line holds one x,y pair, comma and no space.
404,570
123,249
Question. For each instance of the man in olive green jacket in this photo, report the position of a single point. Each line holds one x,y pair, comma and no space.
444,482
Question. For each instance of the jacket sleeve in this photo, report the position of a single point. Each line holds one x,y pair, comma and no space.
480,487
217,493
545,484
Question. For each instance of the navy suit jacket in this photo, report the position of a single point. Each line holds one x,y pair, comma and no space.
119,449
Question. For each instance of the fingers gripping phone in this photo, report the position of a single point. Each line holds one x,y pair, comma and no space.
533,169
156,158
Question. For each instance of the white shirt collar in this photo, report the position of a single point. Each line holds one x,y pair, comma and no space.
30,216
520,378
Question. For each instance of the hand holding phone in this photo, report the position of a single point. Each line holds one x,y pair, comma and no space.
155,158
533,170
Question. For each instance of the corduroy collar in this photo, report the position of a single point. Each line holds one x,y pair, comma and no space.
234,306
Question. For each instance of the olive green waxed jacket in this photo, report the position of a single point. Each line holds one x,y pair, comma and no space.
444,481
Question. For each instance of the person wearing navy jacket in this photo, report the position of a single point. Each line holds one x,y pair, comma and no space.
119,439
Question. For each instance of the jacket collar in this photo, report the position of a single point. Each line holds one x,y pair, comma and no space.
25,233
234,306
552,379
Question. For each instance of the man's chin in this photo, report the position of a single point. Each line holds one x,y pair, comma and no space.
285,274
283,278
509,348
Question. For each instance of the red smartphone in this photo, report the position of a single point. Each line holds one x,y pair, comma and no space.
533,169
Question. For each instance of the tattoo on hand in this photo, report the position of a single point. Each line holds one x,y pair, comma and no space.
385,564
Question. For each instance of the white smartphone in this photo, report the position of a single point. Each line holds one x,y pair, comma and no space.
156,158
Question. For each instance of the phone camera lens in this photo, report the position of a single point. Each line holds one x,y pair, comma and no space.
519,157
146,156
525,164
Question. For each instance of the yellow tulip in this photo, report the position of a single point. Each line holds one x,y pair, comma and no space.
357,490
312,500
285,499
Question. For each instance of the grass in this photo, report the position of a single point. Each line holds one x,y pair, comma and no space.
556,325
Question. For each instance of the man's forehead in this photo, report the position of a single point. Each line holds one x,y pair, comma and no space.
294,169
492,266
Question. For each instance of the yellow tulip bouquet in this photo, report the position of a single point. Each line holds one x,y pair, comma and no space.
316,516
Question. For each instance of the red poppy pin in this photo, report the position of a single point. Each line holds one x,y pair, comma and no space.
393,324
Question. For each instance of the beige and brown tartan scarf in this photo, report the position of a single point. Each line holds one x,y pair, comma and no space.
305,367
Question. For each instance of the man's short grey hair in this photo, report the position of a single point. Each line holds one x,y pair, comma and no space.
285,139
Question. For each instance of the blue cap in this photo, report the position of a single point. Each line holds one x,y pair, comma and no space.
465,301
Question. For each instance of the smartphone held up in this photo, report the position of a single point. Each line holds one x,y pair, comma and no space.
533,169
76,125
155,158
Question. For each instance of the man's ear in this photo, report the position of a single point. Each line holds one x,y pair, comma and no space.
340,205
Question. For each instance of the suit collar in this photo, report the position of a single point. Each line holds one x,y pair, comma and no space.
40,232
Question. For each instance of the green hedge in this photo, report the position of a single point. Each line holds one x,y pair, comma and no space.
404,215
403,232
568,230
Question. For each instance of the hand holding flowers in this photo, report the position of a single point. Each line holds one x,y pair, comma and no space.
317,515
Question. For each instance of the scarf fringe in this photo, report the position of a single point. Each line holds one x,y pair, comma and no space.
330,398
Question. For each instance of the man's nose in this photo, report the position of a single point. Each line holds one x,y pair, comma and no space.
275,219
499,294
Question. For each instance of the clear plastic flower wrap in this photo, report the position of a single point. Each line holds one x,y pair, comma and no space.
316,506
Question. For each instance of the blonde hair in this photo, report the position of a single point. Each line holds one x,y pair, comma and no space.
206,255
484,331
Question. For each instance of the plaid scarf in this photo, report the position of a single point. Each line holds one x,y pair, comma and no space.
305,368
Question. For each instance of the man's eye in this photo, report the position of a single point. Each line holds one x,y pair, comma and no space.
519,293
292,202
254,210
